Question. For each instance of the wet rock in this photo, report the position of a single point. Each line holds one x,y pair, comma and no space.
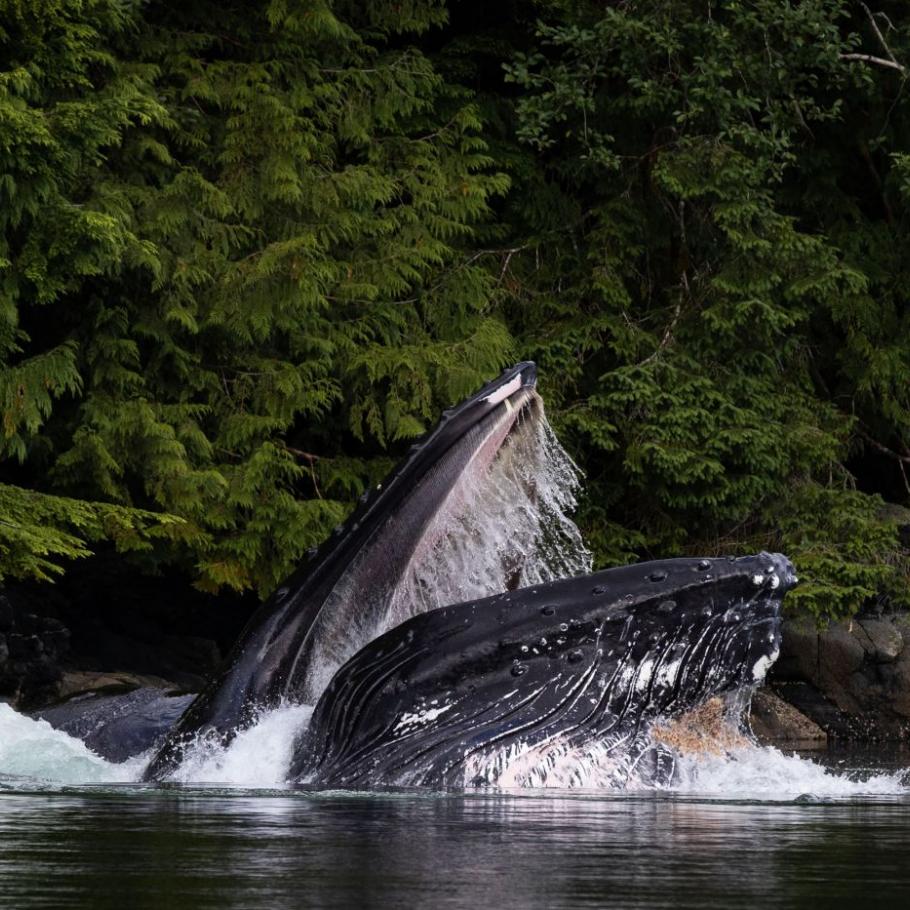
852,678
897,678
195,651
24,647
30,645
56,642
863,638
83,682
810,702
887,641
799,650
28,623
840,653
776,722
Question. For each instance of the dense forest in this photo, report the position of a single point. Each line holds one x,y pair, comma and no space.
249,250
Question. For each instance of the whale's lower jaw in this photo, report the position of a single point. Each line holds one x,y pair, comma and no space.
549,680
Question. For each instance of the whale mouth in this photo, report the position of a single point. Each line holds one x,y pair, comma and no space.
474,512
479,505
448,631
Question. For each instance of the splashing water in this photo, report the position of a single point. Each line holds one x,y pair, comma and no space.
766,773
259,756
511,523
505,524
748,771
33,751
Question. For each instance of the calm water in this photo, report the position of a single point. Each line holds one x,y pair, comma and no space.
135,847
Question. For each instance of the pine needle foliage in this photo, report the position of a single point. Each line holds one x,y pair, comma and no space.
713,286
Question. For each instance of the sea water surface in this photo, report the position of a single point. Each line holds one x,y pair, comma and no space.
756,828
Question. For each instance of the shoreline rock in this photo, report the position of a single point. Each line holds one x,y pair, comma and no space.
776,722
852,679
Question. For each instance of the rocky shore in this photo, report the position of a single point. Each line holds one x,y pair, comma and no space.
849,682
104,629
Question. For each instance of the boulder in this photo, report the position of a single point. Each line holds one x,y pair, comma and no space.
885,638
776,722
75,683
852,679
799,650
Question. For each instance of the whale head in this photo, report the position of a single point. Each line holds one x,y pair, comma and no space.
467,693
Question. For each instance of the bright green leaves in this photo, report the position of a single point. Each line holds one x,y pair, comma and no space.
37,531
849,556
27,392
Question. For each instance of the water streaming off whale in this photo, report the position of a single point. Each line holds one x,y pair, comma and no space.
505,523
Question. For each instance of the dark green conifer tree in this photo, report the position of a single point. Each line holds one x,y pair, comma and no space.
248,249
234,266
713,291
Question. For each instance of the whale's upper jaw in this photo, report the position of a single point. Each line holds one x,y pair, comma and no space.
375,505
585,660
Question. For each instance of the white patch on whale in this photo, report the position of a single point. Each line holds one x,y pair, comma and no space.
419,718
763,664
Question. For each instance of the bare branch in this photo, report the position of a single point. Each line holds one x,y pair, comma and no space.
902,460
300,454
878,61
890,62
311,460
879,35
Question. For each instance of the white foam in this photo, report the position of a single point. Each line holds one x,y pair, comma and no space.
32,750
259,756
744,772
766,773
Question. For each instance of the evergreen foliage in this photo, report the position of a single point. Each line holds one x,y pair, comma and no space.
234,265
719,299
248,249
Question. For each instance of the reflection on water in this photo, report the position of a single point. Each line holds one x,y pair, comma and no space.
132,847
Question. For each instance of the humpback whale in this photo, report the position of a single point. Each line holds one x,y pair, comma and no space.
425,670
